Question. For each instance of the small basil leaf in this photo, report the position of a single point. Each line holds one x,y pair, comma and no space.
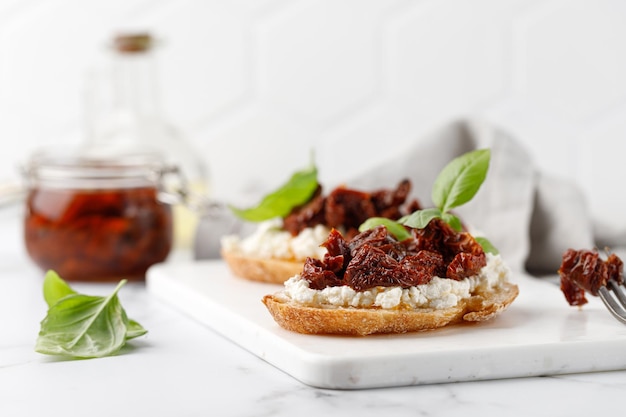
295,192
83,326
486,245
395,228
453,221
419,219
460,180
134,329
54,288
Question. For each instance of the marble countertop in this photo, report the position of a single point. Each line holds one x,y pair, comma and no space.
181,368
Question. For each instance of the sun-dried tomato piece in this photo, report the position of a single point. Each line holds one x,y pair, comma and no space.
420,268
465,265
574,295
335,264
439,237
375,237
335,244
370,267
347,209
375,258
388,203
307,215
584,271
97,235
318,276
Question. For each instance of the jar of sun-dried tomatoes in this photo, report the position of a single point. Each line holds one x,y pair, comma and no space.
91,217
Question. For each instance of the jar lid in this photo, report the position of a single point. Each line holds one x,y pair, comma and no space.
89,167
131,43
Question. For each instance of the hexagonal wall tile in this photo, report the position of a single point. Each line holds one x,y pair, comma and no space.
320,60
569,70
379,133
444,58
601,154
204,62
254,151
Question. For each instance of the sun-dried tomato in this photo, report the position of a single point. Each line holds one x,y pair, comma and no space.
318,275
308,215
465,265
97,235
370,267
584,271
375,258
347,209
420,268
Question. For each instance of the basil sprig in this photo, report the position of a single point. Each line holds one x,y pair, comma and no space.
295,192
456,184
83,326
460,180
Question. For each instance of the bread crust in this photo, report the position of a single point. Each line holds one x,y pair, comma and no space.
270,270
364,321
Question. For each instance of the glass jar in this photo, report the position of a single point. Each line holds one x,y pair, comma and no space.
124,109
96,218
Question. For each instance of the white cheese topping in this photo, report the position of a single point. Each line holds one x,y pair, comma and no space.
270,241
438,293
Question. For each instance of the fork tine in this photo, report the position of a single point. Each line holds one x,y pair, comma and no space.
618,290
618,309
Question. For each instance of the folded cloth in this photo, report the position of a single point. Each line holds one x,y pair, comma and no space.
530,217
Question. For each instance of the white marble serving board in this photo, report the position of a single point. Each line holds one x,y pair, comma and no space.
540,334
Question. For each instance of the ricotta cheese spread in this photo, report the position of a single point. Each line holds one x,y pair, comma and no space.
438,293
269,240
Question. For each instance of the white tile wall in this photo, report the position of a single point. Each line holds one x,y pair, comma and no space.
257,84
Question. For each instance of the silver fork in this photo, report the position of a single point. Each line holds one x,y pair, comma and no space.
614,298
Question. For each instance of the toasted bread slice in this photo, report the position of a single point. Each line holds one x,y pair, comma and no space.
270,270
363,321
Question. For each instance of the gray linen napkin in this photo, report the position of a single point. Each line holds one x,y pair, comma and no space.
530,217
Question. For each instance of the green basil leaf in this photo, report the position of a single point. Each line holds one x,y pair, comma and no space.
54,288
453,221
419,219
297,191
134,329
460,180
395,228
83,326
486,245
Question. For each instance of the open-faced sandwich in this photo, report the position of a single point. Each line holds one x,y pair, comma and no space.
295,220
419,273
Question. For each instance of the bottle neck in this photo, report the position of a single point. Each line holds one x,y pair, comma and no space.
134,84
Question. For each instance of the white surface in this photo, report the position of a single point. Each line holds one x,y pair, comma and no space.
538,335
183,369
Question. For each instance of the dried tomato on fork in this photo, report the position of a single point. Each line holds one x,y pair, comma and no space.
584,271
